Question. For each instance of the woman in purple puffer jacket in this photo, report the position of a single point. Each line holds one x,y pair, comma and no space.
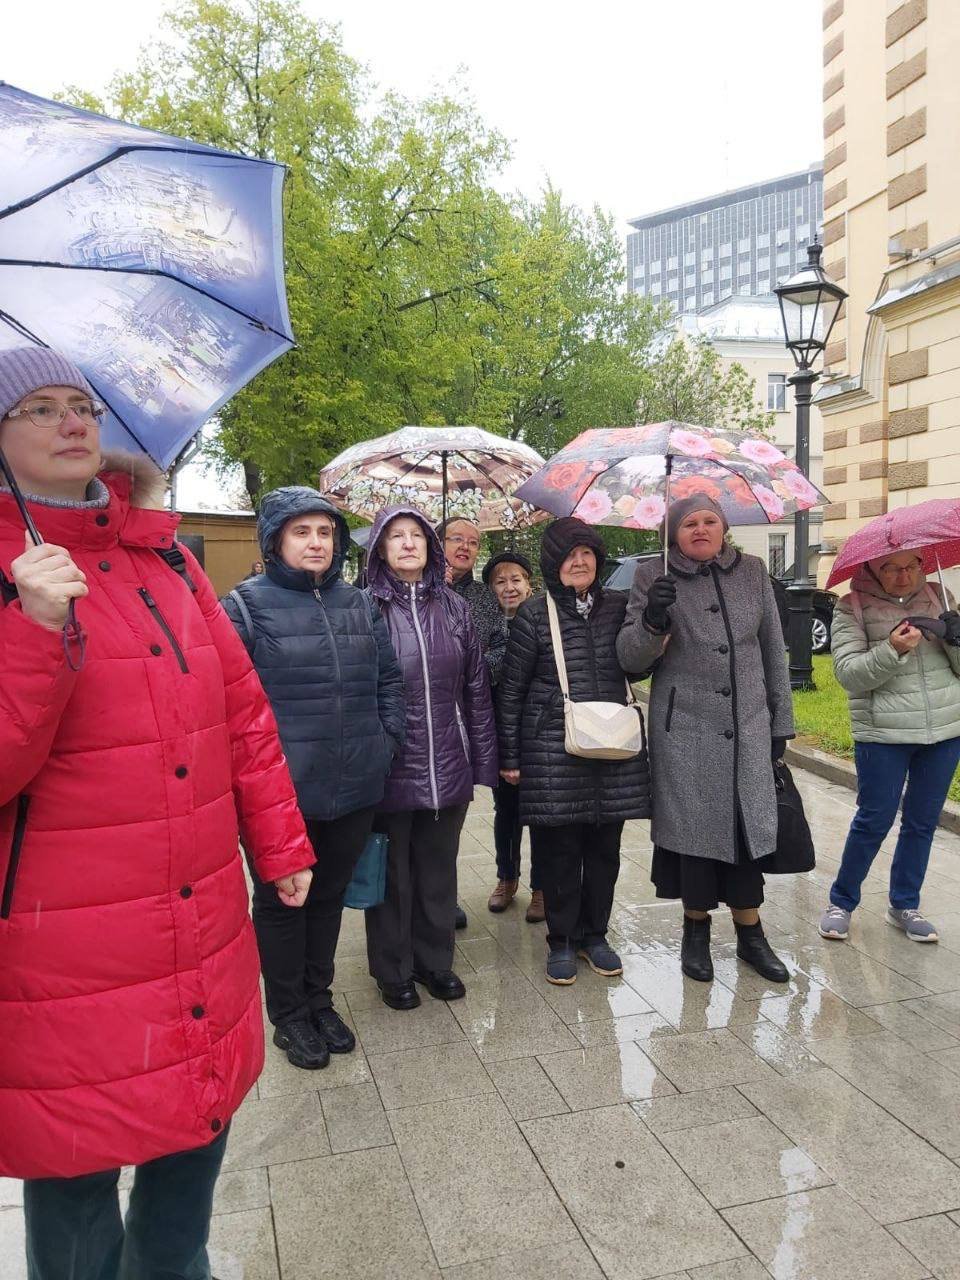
451,746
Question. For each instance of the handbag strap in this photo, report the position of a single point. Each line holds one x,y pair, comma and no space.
561,661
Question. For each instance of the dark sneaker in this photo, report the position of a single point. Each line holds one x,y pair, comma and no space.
399,995
754,949
444,985
562,966
305,1047
339,1037
602,959
459,918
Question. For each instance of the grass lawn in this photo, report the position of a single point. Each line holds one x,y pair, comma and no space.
823,718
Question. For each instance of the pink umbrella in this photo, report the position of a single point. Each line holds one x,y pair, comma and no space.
932,529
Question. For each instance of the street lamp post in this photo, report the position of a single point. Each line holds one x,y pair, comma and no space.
809,302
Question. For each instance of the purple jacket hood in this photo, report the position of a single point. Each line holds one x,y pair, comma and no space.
382,581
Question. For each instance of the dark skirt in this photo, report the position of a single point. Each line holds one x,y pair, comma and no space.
703,883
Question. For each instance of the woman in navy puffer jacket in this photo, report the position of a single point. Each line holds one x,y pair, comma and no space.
450,747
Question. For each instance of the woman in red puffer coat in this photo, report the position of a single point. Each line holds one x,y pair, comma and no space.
130,1018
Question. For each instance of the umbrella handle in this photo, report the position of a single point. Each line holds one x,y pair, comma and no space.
74,644
943,585
666,513
443,460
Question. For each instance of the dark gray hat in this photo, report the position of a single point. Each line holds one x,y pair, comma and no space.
686,506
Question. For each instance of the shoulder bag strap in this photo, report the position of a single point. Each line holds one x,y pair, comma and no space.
558,647
248,626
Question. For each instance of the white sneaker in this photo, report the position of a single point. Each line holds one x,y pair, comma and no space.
835,923
913,924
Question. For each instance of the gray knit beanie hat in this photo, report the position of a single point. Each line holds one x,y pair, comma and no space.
27,369
684,507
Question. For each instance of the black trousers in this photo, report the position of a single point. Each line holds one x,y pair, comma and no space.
298,945
413,928
578,866
508,833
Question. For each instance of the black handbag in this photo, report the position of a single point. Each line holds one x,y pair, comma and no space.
794,852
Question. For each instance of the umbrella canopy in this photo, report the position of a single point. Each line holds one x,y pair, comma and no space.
154,264
626,476
442,471
932,529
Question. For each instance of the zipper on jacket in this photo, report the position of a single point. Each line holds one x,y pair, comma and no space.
336,672
923,686
434,794
670,701
164,626
19,830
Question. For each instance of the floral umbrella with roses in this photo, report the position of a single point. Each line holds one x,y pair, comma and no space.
626,476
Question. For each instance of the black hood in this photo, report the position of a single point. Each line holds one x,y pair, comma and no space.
276,508
558,541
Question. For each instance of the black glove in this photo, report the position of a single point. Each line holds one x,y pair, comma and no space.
777,747
661,594
951,620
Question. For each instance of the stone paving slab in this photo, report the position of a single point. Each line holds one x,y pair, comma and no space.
645,1126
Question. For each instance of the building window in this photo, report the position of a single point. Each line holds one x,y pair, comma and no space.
777,392
708,298
763,284
777,554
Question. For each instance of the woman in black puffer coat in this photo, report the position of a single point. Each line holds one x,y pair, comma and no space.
575,807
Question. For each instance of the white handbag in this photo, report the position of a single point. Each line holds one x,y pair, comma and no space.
596,730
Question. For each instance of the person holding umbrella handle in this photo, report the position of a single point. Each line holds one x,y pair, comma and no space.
896,652
129,982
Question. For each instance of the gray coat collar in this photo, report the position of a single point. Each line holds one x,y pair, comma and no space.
727,559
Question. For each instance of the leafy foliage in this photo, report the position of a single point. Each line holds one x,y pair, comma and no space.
417,291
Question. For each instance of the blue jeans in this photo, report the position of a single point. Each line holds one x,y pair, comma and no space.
75,1232
882,770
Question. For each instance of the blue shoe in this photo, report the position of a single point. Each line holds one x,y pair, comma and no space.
913,924
562,966
601,958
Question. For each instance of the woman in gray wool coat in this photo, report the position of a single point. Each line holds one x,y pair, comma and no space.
720,714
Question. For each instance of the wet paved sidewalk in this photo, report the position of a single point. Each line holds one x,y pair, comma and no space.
634,1128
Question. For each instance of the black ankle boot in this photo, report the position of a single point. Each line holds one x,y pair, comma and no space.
753,947
695,950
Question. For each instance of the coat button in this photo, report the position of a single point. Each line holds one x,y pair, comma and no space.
156,650
186,891
714,608
105,566
728,734
180,771
216,1125
725,692
102,521
704,572
723,649
197,1011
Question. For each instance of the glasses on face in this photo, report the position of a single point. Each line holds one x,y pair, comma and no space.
50,413
896,570
458,540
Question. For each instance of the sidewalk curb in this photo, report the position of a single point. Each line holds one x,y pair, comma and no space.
835,769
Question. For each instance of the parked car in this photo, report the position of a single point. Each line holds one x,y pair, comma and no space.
620,578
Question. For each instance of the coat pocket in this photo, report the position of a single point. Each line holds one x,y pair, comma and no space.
670,701
463,734
10,880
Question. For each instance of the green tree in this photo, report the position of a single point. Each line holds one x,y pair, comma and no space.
417,292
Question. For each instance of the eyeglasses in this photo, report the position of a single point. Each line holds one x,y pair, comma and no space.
50,413
459,540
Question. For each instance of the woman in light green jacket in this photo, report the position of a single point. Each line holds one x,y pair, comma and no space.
903,682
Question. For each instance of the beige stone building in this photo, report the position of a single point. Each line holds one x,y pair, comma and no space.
891,393
748,331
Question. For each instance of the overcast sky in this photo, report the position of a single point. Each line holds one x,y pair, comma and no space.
632,106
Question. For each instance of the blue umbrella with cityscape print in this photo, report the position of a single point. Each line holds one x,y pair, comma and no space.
153,263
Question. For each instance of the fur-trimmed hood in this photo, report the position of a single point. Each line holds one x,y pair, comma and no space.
148,484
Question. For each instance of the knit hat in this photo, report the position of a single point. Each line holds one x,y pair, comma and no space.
559,539
507,557
27,369
685,507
